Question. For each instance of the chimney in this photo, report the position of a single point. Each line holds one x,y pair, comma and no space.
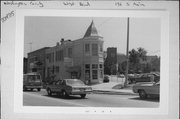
62,41
57,44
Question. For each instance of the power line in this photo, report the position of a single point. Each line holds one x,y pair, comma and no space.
104,22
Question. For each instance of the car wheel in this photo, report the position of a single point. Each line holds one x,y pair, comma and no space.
64,94
39,89
142,94
49,92
83,95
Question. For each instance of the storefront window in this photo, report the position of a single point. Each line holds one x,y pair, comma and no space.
57,69
94,74
100,66
94,66
101,73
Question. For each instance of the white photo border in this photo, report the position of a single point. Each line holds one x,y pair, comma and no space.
164,69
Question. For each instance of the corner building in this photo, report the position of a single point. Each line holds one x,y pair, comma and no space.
81,58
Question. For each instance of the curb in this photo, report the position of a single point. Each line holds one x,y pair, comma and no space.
113,92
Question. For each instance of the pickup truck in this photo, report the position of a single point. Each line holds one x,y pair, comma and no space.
68,87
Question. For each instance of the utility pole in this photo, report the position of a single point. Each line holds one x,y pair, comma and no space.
127,54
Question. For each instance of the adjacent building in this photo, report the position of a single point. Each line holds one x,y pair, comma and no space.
36,61
111,66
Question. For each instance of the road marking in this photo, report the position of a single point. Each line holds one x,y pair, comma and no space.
52,99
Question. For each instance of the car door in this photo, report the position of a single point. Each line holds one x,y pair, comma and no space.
154,89
53,86
59,86
63,85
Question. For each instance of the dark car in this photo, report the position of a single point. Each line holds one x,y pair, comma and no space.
148,77
106,79
68,87
32,81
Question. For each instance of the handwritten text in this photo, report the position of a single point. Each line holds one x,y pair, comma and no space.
7,16
130,4
19,4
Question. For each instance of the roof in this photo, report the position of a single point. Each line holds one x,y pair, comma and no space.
39,50
91,31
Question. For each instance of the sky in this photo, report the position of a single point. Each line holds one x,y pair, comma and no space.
47,31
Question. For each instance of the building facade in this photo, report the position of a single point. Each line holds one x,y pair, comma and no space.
81,58
111,66
36,61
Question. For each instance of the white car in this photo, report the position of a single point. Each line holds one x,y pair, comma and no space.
147,89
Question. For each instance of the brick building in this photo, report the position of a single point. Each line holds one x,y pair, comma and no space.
81,58
36,61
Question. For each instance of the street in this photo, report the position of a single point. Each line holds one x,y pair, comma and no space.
34,98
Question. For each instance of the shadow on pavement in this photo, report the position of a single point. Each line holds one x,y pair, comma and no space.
152,99
30,90
68,98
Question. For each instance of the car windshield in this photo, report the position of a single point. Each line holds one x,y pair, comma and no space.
74,82
34,78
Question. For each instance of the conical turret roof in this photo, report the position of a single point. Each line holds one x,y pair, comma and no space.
91,31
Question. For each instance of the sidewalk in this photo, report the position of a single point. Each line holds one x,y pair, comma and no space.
113,88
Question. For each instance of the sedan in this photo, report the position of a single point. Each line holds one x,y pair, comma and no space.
68,87
147,89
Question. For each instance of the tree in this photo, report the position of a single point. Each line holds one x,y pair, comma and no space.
135,56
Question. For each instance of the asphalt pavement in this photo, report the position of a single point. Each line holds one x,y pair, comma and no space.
34,98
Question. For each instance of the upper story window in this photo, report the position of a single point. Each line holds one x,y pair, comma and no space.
49,57
70,52
59,55
94,49
87,48
52,56
101,48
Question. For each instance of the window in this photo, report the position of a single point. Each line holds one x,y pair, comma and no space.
69,52
57,69
94,66
87,66
56,56
87,48
87,74
94,74
59,55
100,66
94,49
52,57
49,57
101,73
101,48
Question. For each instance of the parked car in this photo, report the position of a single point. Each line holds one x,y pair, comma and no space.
68,87
147,77
147,89
106,79
32,81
